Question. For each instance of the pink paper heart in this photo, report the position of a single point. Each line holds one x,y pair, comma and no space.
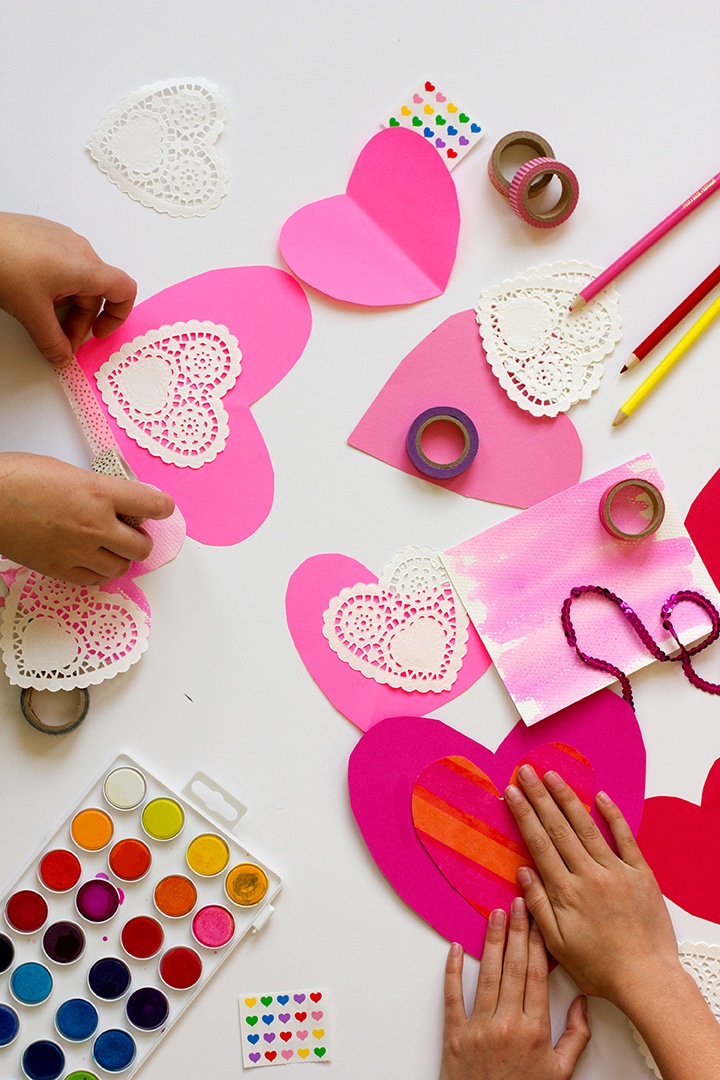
387,760
521,458
462,821
361,700
227,499
391,238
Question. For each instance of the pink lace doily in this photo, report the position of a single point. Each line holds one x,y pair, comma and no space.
406,631
165,390
544,356
158,146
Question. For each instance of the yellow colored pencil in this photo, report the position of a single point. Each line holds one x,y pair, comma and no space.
661,370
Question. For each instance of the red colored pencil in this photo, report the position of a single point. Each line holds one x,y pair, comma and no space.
675,316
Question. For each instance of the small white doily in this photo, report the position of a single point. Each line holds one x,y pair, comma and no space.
57,636
165,390
703,963
157,145
407,631
544,356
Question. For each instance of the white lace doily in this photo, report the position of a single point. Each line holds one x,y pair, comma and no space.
703,963
546,357
407,631
56,636
165,390
157,145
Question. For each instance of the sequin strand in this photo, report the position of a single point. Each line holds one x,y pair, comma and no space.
683,654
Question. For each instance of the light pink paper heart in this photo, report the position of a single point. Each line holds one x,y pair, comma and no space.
521,458
361,700
227,499
462,821
55,635
391,238
387,760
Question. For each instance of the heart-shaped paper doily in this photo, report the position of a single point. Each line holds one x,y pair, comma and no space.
544,356
391,238
387,760
157,145
407,630
703,524
56,636
678,838
521,459
267,312
461,819
165,390
362,700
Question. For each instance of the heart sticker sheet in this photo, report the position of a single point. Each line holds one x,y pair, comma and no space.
436,116
409,778
514,577
176,382
284,1028
391,238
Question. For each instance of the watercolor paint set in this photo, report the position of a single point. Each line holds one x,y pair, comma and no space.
119,921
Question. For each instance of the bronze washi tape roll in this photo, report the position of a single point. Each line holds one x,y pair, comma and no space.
540,148
30,714
657,505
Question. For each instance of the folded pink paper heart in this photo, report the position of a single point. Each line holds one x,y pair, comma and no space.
391,238
362,700
521,458
385,765
679,840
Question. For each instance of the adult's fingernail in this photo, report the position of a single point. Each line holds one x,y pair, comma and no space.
455,950
518,907
524,877
553,780
527,774
512,794
497,918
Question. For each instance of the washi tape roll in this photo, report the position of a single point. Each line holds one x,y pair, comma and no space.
540,148
657,505
439,470
30,714
520,192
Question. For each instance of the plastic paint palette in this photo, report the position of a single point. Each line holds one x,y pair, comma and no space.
120,920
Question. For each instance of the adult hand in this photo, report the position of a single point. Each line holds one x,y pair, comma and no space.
43,265
63,521
508,1036
602,914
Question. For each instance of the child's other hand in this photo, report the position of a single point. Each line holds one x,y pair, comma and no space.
43,265
63,521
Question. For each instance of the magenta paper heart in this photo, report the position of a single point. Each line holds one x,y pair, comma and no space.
521,458
461,820
267,311
679,840
703,524
386,762
391,238
361,700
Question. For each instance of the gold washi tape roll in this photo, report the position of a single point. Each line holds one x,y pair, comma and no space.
540,148
520,192
656,503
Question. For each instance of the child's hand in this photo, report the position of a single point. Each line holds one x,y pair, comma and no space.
43,264
507,1036
63,521
602,915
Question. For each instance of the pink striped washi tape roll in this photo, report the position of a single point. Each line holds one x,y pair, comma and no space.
520,192
538,146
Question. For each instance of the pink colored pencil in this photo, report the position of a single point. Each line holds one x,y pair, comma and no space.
647,241
670,322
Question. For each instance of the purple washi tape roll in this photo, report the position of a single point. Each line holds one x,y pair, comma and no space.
439,470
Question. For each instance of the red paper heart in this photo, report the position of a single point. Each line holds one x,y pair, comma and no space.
361,700
461,819
703,524
679,840
384,766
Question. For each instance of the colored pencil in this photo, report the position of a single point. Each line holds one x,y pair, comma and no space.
664,366
645,242
675,316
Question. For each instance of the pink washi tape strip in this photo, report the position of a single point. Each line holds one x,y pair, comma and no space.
520,192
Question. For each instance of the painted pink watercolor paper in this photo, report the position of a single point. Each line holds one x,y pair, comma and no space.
703,524
386,762
521,458
363,701
514,577
227,499
391,238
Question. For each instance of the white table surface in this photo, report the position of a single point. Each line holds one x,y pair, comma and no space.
628,94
